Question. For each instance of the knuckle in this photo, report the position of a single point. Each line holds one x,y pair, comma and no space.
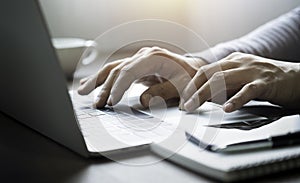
114,72
251,87
234,55
143,49
237,57
156,51
269,75
156,48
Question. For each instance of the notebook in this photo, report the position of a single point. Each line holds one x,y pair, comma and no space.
238,166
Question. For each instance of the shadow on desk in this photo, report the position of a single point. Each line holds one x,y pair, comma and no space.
27,156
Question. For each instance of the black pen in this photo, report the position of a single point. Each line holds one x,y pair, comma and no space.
288,139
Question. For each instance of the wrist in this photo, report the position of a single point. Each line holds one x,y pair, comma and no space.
197,62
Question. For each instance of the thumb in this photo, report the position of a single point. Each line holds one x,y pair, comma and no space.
165,90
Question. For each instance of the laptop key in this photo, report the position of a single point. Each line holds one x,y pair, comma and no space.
96,113
83,116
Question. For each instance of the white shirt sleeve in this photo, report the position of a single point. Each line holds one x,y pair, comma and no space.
278,39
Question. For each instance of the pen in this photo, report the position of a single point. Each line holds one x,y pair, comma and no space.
288,139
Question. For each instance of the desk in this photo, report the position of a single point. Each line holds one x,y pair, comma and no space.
27,156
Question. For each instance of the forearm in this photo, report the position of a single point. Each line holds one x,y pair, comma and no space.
278,39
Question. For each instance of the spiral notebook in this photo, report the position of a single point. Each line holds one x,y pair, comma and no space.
238,166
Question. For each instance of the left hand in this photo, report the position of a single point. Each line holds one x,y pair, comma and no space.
166,73
247,77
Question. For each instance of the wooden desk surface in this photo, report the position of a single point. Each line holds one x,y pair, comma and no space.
27,156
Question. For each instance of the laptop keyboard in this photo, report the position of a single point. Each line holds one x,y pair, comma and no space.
133,126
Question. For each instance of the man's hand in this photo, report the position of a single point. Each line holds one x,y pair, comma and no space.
165,73
246,77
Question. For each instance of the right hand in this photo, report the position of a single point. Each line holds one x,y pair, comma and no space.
166,73
244,77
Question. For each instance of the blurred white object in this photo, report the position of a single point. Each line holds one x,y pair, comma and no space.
70,50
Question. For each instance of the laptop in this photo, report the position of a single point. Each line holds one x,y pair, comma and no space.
34,92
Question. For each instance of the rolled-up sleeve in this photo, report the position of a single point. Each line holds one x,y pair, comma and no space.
278,39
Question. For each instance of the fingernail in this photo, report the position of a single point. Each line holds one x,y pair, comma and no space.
80,89
228,107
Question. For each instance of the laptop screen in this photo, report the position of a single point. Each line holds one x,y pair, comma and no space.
33,87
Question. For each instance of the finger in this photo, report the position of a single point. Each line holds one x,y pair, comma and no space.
203,74
107,85
198,80
88,85
92,82
197,99
248,92
234,78
165,90
143,51
189,93
109,79
158,61
141,67
82,81
216,87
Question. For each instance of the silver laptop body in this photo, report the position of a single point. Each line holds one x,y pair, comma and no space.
34,90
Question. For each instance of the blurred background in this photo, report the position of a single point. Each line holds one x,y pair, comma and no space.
214,20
